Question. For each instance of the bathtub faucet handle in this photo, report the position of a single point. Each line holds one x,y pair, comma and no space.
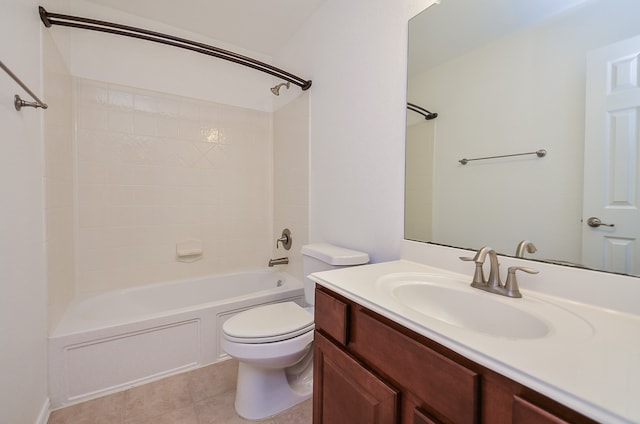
285,239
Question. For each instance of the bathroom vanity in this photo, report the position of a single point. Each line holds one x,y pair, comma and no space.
379,358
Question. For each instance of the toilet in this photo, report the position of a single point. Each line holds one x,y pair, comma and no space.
273,343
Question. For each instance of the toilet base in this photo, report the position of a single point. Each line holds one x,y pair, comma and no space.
264,392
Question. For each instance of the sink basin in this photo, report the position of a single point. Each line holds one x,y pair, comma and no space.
454,302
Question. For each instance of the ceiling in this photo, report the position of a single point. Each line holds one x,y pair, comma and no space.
478,22
257,25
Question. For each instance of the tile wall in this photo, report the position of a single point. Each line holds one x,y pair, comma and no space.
156,169
58,181
291,178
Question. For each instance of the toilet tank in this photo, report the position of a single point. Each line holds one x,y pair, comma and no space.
324,257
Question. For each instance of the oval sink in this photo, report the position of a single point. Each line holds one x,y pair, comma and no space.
454,302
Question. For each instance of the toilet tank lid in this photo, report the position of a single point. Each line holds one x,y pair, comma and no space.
334,255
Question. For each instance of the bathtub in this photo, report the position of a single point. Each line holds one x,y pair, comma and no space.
111,341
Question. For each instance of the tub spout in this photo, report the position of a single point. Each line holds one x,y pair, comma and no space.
279,261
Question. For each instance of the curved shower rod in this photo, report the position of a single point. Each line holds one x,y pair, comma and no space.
49,19
422,111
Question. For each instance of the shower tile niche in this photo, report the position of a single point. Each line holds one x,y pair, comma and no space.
154,169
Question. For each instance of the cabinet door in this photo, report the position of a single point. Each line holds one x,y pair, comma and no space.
345,392
525,412
421,417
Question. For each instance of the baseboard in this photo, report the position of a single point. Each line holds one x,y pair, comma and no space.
43,416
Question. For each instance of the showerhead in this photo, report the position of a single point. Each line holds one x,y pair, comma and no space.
276,90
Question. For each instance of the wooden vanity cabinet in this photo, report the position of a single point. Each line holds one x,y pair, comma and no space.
369,369
350,393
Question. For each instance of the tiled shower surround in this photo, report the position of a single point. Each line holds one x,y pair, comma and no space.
154,170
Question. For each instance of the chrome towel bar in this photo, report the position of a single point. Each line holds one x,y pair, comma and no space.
540,153
17,101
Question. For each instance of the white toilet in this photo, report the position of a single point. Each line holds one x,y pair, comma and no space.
273,342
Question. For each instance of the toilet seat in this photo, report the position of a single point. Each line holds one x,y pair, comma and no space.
269,323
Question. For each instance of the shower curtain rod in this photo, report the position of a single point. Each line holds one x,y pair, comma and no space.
422,111
49,19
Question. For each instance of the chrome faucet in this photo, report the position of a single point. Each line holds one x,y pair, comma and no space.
525,244
494,284
279,261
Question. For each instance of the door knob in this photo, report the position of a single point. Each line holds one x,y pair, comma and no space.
595,223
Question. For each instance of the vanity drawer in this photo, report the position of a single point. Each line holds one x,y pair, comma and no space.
334,318
447,388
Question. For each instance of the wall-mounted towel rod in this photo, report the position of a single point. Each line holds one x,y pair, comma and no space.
49,19
540,153
17,101
422,111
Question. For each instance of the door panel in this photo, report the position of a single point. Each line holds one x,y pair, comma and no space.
612,138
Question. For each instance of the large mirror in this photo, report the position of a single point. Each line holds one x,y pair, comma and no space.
510,77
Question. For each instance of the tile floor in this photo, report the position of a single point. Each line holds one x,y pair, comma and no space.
202,396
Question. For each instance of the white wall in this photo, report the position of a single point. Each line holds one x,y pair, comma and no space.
23,303
355,53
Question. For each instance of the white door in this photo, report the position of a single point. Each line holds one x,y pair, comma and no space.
612,145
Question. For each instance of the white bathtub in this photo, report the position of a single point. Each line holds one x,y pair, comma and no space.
111,341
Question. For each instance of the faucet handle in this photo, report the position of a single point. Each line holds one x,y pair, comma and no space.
522,268
511,285
478,275
285,239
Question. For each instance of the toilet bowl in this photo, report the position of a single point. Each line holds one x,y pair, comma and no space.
273,343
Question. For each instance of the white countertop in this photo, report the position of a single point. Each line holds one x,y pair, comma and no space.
589,362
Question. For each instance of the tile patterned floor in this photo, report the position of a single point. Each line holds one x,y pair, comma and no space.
202,396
